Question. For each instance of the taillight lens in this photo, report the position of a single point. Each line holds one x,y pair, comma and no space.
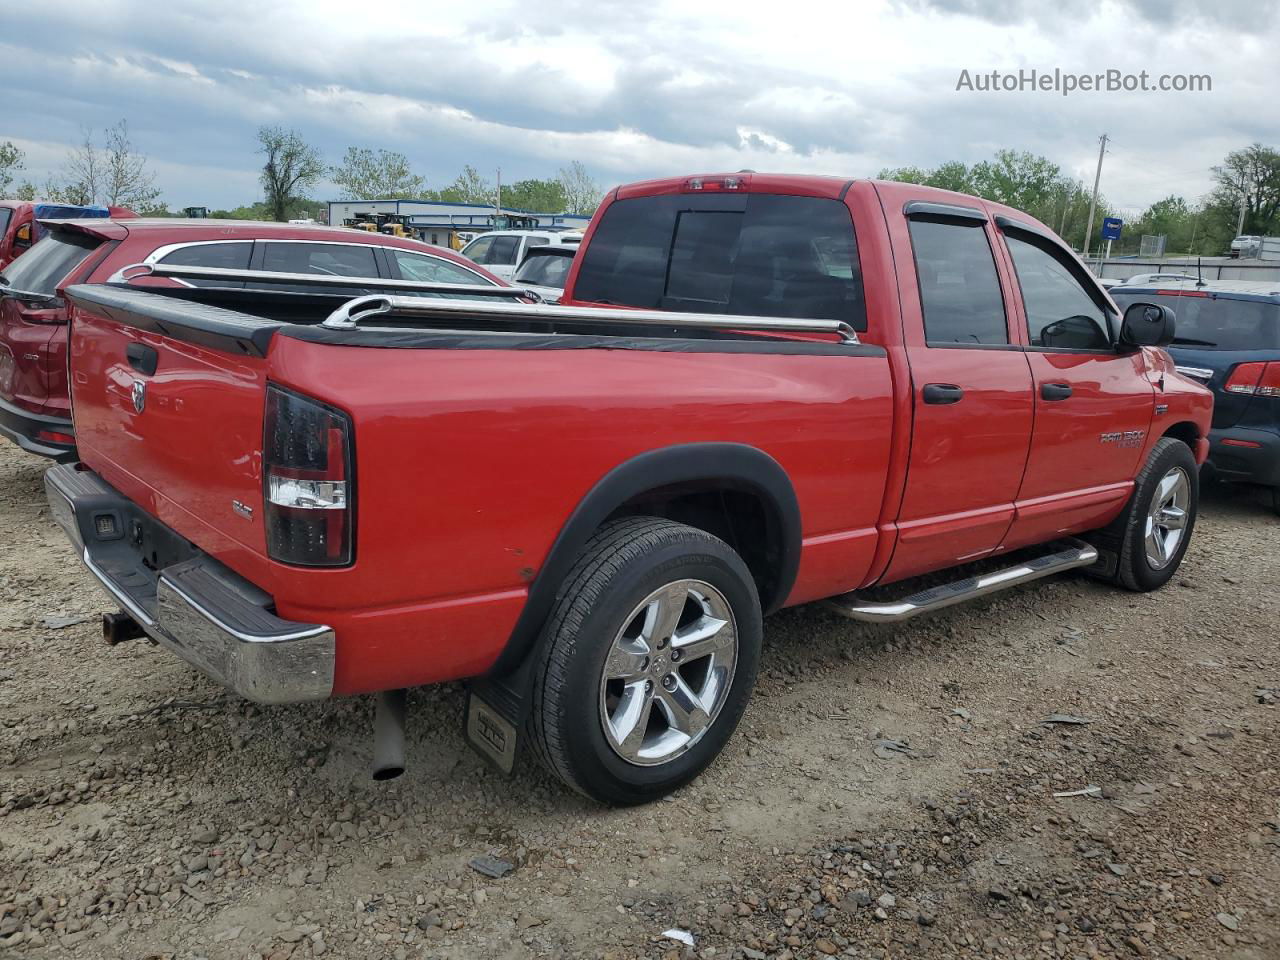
1255,380
308,481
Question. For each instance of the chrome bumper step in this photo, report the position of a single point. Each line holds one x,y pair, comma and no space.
1075,553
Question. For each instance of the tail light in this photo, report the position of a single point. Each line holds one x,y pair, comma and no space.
1255,380
309,481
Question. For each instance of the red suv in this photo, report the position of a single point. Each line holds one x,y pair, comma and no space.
34,405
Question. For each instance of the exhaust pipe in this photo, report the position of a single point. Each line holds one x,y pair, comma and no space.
388,735
119,627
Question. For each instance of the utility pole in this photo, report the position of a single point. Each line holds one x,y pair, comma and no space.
1093,204
1244,197
497,206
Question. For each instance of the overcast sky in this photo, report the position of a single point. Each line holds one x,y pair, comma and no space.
637,89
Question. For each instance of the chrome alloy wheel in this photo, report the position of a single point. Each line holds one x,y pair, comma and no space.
1167,518
668,672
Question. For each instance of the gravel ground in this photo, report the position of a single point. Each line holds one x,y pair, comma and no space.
892,792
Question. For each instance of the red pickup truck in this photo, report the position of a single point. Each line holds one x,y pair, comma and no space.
759,391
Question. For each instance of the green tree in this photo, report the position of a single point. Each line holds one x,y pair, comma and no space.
543,196
468,187
291,168
382,175
581,192
115,174
11,161
1251,175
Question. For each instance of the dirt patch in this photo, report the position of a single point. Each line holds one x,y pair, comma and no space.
891,792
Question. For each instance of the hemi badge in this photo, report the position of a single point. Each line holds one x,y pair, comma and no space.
244,510
1161,408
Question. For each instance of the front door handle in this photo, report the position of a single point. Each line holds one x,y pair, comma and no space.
1055,391
942,393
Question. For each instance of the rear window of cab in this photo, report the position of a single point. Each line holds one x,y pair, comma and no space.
750,255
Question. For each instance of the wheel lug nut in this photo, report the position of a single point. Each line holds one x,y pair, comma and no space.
644,664
648,686
675,655
663,643
669,681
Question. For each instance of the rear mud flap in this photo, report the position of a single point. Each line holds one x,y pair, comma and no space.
491,734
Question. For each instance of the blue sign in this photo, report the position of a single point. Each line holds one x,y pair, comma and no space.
1111,228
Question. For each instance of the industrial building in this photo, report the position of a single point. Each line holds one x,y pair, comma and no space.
441,223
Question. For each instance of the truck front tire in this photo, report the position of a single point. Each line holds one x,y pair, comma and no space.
1151,536
646,662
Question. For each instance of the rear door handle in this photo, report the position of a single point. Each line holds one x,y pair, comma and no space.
942,393
1055,391
142,358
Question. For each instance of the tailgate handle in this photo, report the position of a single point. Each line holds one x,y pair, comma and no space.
1055,391
142,358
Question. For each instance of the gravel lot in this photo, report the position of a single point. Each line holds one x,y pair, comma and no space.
891,792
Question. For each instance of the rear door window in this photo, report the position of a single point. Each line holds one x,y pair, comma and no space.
326,259
228,255
6,214
50,261
504,250
959,289
333,259
752,255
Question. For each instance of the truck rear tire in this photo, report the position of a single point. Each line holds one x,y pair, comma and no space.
1151,536
646,662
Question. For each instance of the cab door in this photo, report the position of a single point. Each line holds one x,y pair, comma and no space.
971,390
1093,404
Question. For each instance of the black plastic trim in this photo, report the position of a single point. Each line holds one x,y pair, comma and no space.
739,465
198,323
844,191
952,345
21,426
418,339
926,208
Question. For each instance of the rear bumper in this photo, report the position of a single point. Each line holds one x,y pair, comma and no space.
1245,455
23,427
185,600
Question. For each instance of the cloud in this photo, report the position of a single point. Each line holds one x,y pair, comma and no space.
636,90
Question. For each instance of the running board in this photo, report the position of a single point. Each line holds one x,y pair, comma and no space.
1076,554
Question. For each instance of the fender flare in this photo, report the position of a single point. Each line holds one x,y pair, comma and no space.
733,465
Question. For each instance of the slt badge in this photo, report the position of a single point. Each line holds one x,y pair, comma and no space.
139,396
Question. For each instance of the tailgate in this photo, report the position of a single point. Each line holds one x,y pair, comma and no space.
168,401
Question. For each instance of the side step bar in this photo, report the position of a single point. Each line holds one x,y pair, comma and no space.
1077,553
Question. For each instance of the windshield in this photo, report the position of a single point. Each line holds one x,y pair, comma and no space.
1215,322
545,269
48,263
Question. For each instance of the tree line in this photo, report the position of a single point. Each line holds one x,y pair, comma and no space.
113,171
116,174
1249,177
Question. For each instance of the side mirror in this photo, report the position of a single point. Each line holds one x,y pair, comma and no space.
22,237
1147,325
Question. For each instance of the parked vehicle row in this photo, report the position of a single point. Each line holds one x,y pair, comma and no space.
757,391
1228,339
34,398
21,223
